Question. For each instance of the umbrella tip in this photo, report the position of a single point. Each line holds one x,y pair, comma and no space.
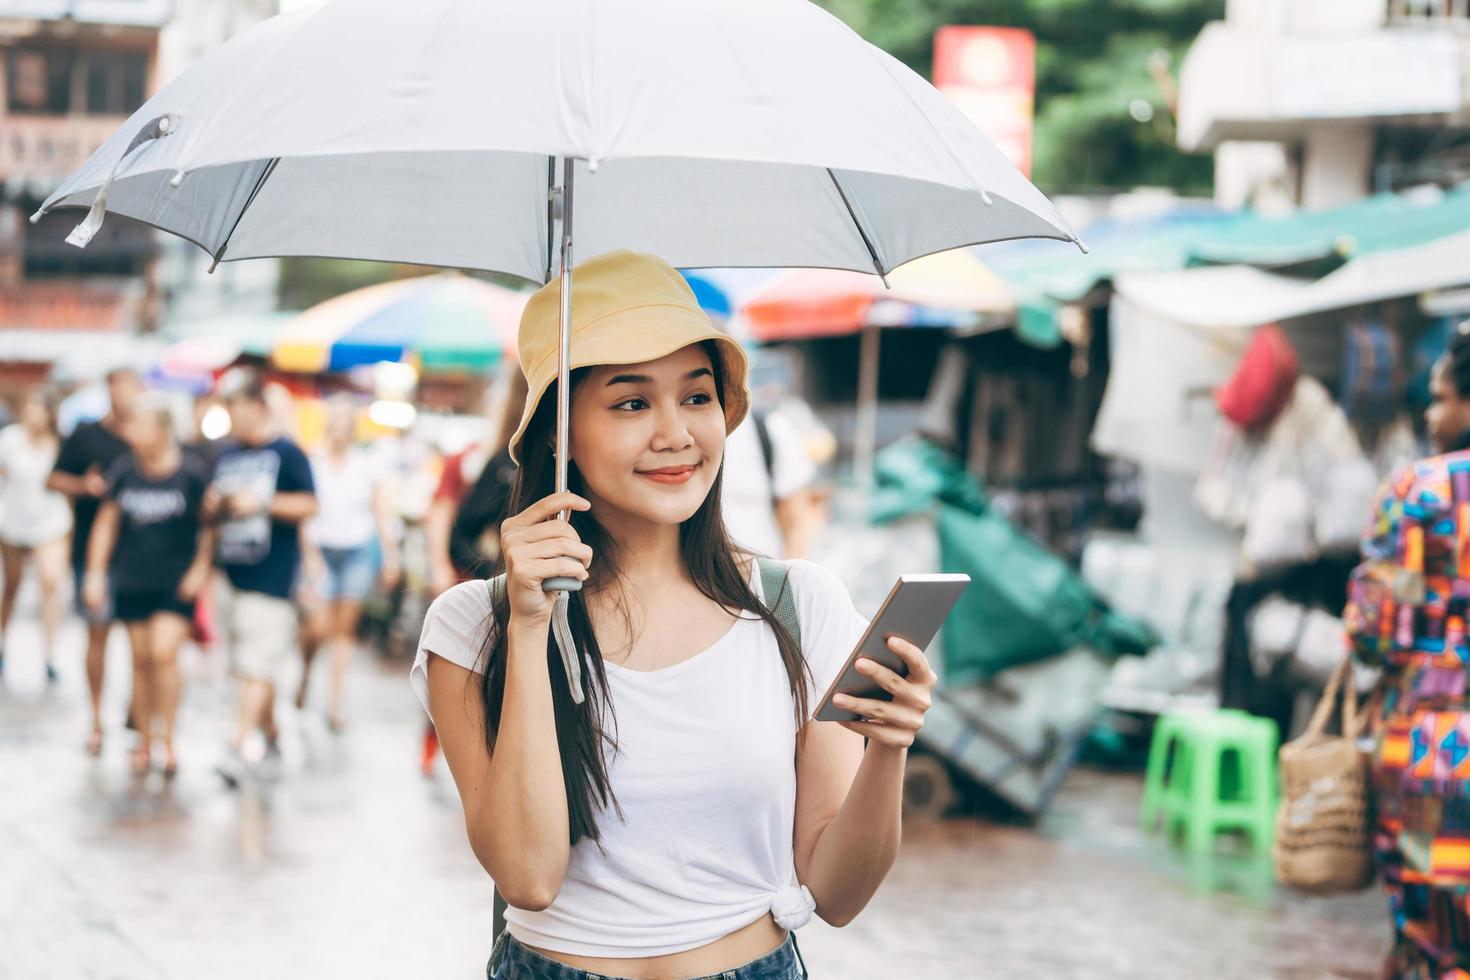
1082,246
38,215
985,197
178,179
592,165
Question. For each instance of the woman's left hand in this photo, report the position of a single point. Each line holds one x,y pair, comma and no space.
893,723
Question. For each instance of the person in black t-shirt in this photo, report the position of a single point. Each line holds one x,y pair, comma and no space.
80,473
149,555
261,492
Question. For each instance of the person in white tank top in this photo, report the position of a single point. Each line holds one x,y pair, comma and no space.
34,520
640,772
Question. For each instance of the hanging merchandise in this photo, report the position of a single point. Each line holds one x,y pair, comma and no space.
1263,380
1372,375
1278,530
1319,651
1348,486
1275,630
1298,489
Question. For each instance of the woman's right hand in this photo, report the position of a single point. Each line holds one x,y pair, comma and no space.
538,546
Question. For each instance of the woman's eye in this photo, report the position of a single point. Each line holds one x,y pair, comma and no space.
631,405
700,398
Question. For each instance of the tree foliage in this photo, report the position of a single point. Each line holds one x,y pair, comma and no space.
1102,121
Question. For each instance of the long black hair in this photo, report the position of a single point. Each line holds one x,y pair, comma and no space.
714,564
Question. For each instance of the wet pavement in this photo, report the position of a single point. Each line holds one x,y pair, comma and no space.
354,865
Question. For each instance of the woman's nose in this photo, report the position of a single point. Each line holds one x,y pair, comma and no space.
670,431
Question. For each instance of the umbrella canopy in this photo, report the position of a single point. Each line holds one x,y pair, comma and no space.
718,133
722,133
448,322
951,289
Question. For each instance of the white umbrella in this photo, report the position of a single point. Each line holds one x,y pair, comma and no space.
717,133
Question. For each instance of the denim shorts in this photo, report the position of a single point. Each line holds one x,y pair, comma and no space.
511,960
351,572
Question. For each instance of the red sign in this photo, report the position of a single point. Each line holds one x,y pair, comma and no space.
63,305
990,74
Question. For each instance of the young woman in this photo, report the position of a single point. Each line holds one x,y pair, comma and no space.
351,548
667,808
148,547
34,521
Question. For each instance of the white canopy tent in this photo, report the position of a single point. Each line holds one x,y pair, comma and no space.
1244,296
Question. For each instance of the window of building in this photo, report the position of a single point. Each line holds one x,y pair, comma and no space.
116,81
39,80
61,80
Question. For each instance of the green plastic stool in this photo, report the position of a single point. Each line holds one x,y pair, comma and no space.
1205,794
1170,737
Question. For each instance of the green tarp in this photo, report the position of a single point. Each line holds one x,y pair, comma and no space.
1025,603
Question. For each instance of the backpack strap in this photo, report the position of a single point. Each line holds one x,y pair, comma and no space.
778,595
496,587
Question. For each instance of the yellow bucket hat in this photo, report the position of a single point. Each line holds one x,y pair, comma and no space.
627,308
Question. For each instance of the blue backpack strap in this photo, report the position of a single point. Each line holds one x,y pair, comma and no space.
779,597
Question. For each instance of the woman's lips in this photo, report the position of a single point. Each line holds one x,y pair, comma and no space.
670,474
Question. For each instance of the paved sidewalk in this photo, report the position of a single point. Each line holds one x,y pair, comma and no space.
355,866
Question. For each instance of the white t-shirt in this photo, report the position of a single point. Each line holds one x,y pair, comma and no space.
750,490
705,774
344,517
30,514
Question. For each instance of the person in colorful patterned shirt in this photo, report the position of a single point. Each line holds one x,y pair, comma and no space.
1408,605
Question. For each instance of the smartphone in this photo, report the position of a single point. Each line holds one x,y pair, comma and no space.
916,607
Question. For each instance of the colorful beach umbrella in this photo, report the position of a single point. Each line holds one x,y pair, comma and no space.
948,289
447,323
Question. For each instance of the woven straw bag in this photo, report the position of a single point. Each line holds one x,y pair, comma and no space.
1323,834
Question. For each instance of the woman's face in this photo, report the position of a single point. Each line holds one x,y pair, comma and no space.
341,424
147,433
648,439
34,415
1448,415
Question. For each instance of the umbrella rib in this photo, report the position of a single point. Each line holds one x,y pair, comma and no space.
550,215
254,192
872,252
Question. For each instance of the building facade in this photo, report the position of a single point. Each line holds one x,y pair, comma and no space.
71,73
1316,103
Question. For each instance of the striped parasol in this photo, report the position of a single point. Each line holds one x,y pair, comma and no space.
448,323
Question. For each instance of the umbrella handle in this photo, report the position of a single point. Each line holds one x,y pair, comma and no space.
560,584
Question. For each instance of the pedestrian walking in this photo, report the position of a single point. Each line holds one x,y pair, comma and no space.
85,457
770,505
465,530
1406,614
34,519
150,559
632,787
261,493
351,549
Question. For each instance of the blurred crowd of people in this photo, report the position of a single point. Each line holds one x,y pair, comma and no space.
262,551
